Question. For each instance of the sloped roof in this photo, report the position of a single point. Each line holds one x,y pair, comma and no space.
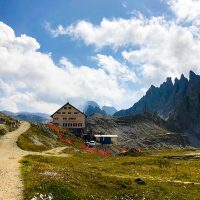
106,136
69,105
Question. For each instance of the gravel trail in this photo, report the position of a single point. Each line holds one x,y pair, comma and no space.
10,184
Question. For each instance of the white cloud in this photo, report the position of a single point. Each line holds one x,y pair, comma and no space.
116,32
186,10
156,47
30,79
116,69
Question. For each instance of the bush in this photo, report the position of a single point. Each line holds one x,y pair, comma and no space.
2,131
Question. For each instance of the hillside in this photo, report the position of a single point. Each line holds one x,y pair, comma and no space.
38,138
7,123
137,131
178,103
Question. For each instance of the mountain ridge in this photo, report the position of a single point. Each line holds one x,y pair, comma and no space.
91,107
28,116
178,103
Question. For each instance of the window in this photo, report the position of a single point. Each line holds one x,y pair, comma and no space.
58,112
75,112
69,113
69,124
65,108
63,112
69,107
64,118
79,124
64,124
75,124
55,118
72,118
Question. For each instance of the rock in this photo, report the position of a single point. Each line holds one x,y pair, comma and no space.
139,181
146,131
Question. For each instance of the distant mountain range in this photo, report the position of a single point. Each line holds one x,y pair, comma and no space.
178,103
91,107
32,117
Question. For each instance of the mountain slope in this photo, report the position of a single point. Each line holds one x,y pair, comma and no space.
91,107
178,103
110,110
137,131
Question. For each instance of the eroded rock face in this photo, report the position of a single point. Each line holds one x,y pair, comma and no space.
153,101
178,103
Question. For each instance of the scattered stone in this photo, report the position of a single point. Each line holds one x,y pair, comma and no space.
43,197
47,173
139,181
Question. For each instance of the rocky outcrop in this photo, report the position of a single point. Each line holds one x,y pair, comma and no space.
178,104
147,131
153,101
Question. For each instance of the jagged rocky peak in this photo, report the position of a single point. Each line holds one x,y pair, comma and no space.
167,85
169,81
183,78
90,103
182,82
193,76
91,107
178,103
176,81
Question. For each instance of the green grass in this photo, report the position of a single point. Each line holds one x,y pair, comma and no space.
3,131
89,176
36,139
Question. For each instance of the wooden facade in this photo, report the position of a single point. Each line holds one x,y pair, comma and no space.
69,117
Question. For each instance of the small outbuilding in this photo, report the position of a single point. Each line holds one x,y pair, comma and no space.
106,139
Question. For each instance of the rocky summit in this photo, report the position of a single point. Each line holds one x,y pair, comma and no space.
178,103
91,107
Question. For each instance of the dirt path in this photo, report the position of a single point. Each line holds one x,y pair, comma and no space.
10,154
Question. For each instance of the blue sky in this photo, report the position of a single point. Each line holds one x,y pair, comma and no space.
107,51
29,17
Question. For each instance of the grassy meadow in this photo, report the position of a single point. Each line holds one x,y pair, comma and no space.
87,176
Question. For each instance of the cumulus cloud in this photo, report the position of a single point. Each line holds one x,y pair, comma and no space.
116,69
151,49
186,10
156,47
30,79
